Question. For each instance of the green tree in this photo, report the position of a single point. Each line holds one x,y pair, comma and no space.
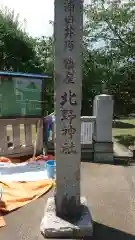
21,53
16,47
110,39
44,53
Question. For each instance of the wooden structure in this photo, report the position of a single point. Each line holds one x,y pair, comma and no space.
24,129
22,107
18,130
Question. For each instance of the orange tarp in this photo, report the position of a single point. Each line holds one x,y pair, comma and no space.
18,194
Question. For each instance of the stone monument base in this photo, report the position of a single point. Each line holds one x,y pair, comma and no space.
55,227
103,152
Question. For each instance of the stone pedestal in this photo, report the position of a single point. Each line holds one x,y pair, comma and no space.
103,152
53,226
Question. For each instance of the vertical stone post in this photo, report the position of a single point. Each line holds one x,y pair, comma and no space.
65,215
68,86
103,146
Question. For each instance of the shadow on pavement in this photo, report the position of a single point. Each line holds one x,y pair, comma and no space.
102,232
120,161
107,233
126,140
122,125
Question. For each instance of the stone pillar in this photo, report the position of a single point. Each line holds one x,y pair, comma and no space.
103,146
65,215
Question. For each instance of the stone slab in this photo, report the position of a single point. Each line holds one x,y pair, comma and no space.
103,147
55,227
103,158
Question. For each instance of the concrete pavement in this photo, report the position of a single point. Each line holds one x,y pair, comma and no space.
111,196
120,150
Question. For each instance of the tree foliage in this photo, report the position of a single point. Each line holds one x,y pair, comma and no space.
110,38
21,53
16,47
108,53
44,53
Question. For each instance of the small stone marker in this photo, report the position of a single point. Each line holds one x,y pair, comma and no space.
103,145
66,214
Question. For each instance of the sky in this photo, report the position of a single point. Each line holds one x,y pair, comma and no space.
37,14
